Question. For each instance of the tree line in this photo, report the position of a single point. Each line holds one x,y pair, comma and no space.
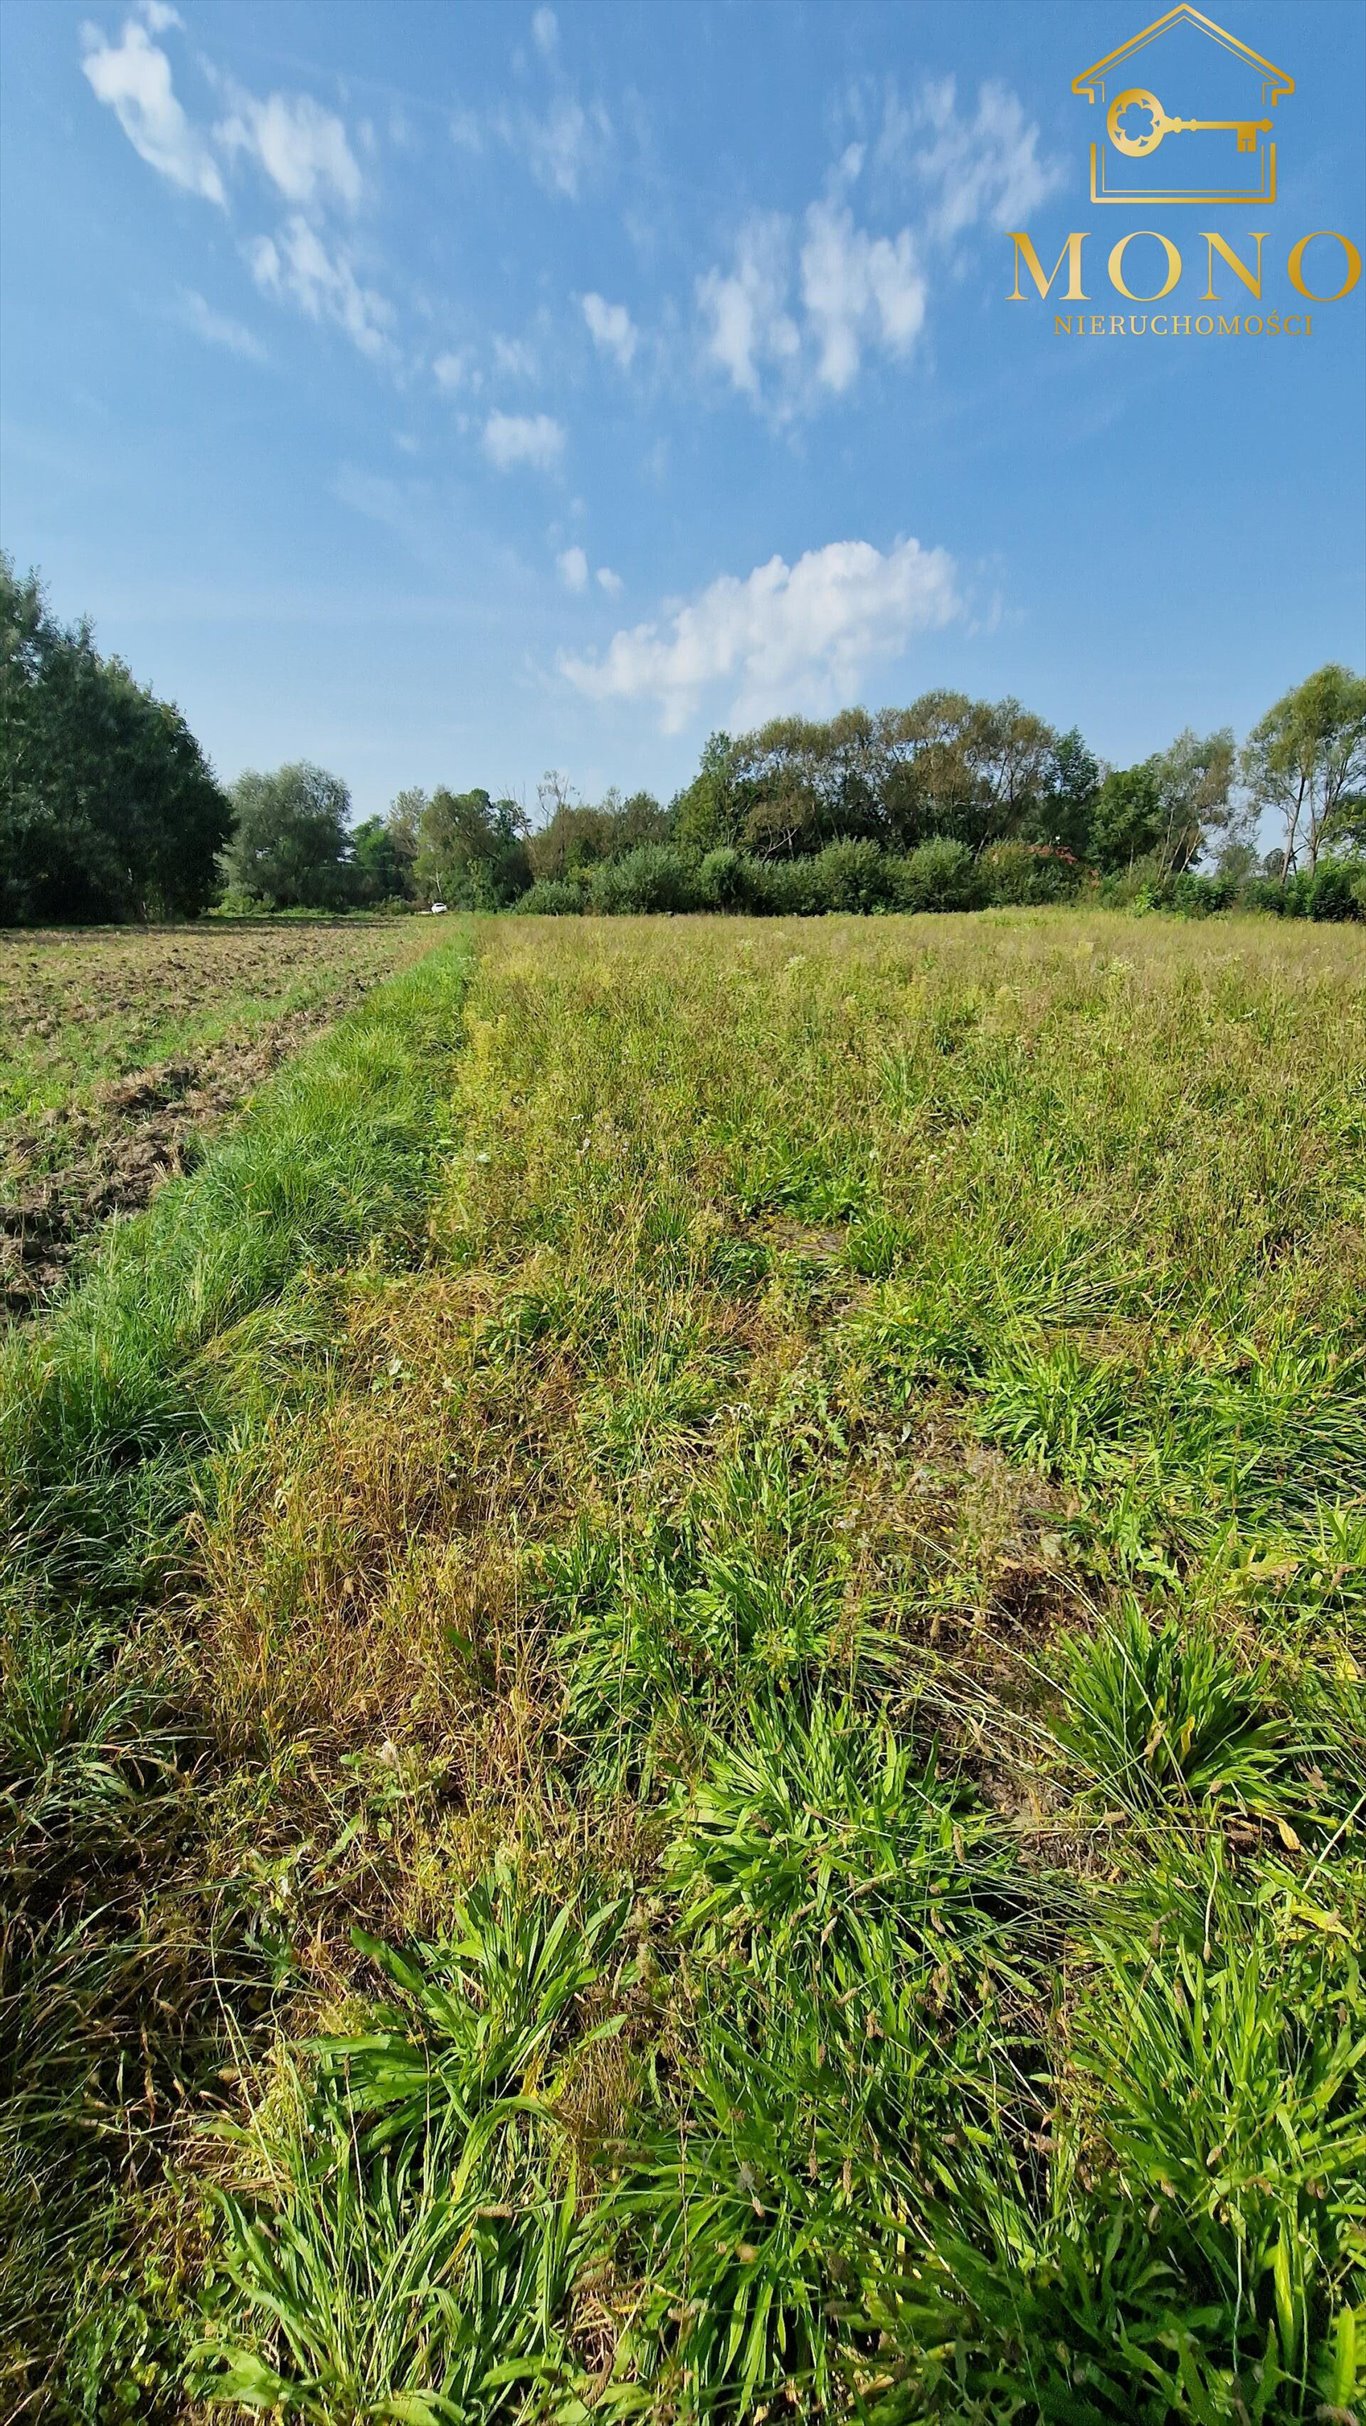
109,809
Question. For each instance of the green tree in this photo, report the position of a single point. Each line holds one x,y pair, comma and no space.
1127,817
383,864
946,766
108,807
1306,764
471,851
931,750
1195,786
577,837
704,815
1063,811
386,848
403,821
291,842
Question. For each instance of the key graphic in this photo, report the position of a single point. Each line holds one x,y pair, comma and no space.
1140,146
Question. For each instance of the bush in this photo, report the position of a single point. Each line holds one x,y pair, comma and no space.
851,875
551,897
726,881
1264,893
1194,896
786,888
1024,874
1338,889
1335,889
1134,887
940,874
652,877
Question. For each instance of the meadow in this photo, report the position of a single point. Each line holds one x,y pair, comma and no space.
121,1049
683,1660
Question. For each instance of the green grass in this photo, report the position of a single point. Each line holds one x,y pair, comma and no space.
118,1961
106,1410
686,1700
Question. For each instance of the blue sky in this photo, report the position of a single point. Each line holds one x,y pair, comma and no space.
448,391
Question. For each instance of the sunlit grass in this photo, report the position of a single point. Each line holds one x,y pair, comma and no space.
767,1614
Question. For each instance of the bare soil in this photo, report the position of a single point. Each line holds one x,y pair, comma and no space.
79,1013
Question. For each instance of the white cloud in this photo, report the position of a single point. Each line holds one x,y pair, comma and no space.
798,316
217,329
302,147
160,16
787,637
134,80
746,307
452,371
531,438
574,570
514,357
801,304
563,141
611,328
857,288
564,146
299,266
983,169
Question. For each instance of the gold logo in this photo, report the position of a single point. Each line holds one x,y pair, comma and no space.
1221,151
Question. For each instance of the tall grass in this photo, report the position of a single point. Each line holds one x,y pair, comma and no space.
117,1953
786,1729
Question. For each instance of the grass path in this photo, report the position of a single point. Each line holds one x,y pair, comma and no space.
762,1623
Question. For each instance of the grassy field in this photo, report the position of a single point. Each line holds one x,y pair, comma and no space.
684,1700
122,1048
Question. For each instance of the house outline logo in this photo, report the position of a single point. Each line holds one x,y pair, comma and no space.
1138,126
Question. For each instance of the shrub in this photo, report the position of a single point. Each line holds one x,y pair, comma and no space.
1023,874
1193,896
1337,889
1133,887
1264,893
725,880
940,874
652,877
786,888
851,875
551,897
